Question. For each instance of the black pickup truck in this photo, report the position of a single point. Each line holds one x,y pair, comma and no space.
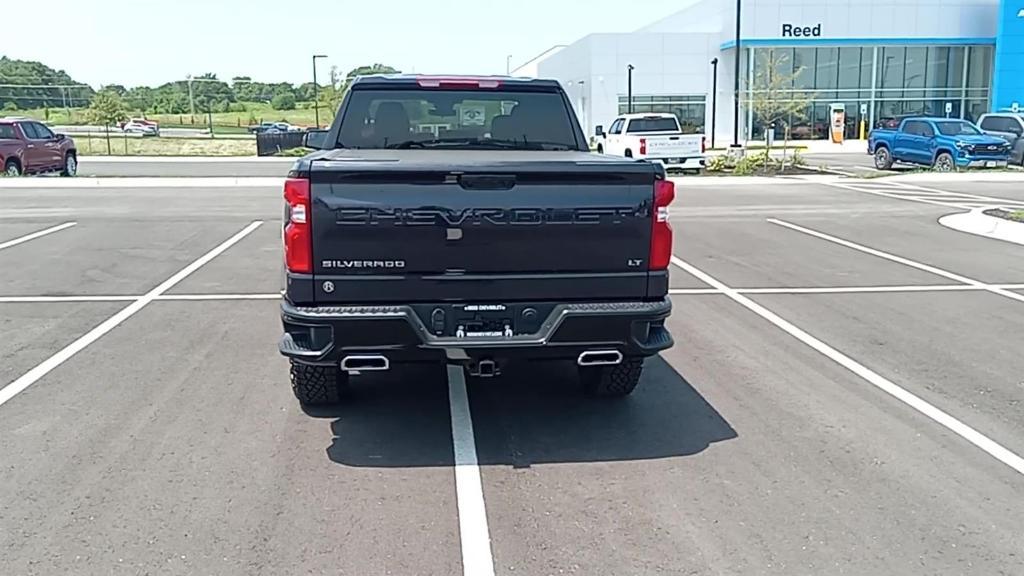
464,220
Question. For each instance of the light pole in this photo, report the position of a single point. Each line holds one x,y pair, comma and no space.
508,65
714,97
316,92
736,84
583,104
629,88
191,101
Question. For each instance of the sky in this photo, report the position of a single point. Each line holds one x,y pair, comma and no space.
146,42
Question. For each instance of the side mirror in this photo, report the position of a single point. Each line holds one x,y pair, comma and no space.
599,131
59,137
315,139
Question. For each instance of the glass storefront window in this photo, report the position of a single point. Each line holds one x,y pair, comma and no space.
803,63
689,109
910,80
826,72
890,70
850,68
979,67
915,68
937,71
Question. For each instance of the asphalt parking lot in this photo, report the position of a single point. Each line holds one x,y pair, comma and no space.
844,397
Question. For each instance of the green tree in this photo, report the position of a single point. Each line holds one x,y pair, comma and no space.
209,93
106,108
30,84
140,98
283,101
774,97
115,88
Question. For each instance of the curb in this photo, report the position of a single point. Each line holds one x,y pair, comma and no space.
143,182
186,159
1011,176
981,224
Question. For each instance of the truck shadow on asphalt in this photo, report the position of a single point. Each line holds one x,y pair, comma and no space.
533,414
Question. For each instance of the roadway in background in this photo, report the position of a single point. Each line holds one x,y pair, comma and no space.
179,167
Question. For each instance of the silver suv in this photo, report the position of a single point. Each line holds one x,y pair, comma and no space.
1009,126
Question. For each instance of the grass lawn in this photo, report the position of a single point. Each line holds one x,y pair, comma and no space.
1018,216
120,146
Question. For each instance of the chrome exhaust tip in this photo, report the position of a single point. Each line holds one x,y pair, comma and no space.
599,358
365,363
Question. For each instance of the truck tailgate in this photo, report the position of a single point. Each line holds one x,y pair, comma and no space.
673,146
399,227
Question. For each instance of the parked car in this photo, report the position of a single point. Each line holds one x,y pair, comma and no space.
496,243
944,144
141,126
893,122
29,147
273,128
1008,126
655,137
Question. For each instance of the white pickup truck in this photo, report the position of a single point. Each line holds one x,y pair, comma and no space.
655,137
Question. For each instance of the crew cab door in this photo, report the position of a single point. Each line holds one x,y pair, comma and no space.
34,156
42,151
912,142
613,141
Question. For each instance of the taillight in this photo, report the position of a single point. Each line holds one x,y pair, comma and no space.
643,145
457,82
298,241
661,230
703,144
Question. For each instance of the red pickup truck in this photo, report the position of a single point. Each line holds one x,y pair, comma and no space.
29,147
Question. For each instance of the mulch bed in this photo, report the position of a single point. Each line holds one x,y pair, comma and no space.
1004,214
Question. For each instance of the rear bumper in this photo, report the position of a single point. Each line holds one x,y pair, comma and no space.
324,335
687,163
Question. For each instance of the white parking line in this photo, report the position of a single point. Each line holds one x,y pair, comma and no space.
33,375
983,442
474,534
986,199
914,193
203,297
849,289
38,234
900,260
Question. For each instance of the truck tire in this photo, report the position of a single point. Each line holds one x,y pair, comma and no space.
612,381
600,149
944,162
883,158
316,385
12,168
629,153
70,165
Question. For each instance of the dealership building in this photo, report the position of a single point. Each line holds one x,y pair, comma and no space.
879,58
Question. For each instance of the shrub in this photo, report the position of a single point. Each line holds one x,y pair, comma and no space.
717,163
236,107
10,106
283,101
798,159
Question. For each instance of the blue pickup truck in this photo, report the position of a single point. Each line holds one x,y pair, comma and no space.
944,144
